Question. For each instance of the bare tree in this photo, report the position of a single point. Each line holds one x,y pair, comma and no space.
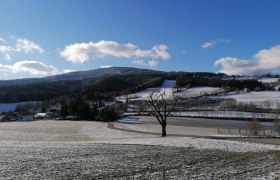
254,126
162,105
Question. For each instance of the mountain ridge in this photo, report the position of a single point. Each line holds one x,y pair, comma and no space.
107,83
98,83
78,75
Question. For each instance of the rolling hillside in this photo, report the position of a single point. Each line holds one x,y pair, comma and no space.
108,83
99,83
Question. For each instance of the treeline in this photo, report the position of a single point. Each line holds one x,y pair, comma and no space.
38,91
229,85
155,82
92,88
81,110
110,87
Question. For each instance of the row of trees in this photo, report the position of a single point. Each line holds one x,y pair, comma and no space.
84,111
228,84
78,108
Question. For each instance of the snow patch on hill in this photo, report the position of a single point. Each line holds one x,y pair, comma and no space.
166,87
268,80
169,88
198,91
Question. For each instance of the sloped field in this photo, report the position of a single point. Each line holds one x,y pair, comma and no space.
90,150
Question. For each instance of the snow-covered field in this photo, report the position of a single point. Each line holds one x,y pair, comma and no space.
98,132
168,88
265,99
269,80
119,161
91,150
199,143
198,91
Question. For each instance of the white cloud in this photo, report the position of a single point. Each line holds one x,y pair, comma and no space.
6,49
83,52
265,61
31,67
160,52
214,43
21,46
6,68
105,66
24,45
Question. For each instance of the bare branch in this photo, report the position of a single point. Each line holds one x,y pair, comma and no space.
163,106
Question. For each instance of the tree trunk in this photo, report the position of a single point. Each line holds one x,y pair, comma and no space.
163,132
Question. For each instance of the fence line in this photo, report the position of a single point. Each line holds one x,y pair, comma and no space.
248,132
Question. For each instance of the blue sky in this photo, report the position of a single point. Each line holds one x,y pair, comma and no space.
46,37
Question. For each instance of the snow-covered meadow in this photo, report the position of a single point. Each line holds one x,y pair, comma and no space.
269,80
86,150
97,132
198,91
264,99
169,88
166,87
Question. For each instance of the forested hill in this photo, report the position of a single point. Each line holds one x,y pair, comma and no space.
105,83
78,75
98,83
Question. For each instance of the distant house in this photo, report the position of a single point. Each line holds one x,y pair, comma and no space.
40,116
45,116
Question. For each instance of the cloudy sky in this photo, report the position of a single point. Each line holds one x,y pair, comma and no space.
48,37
